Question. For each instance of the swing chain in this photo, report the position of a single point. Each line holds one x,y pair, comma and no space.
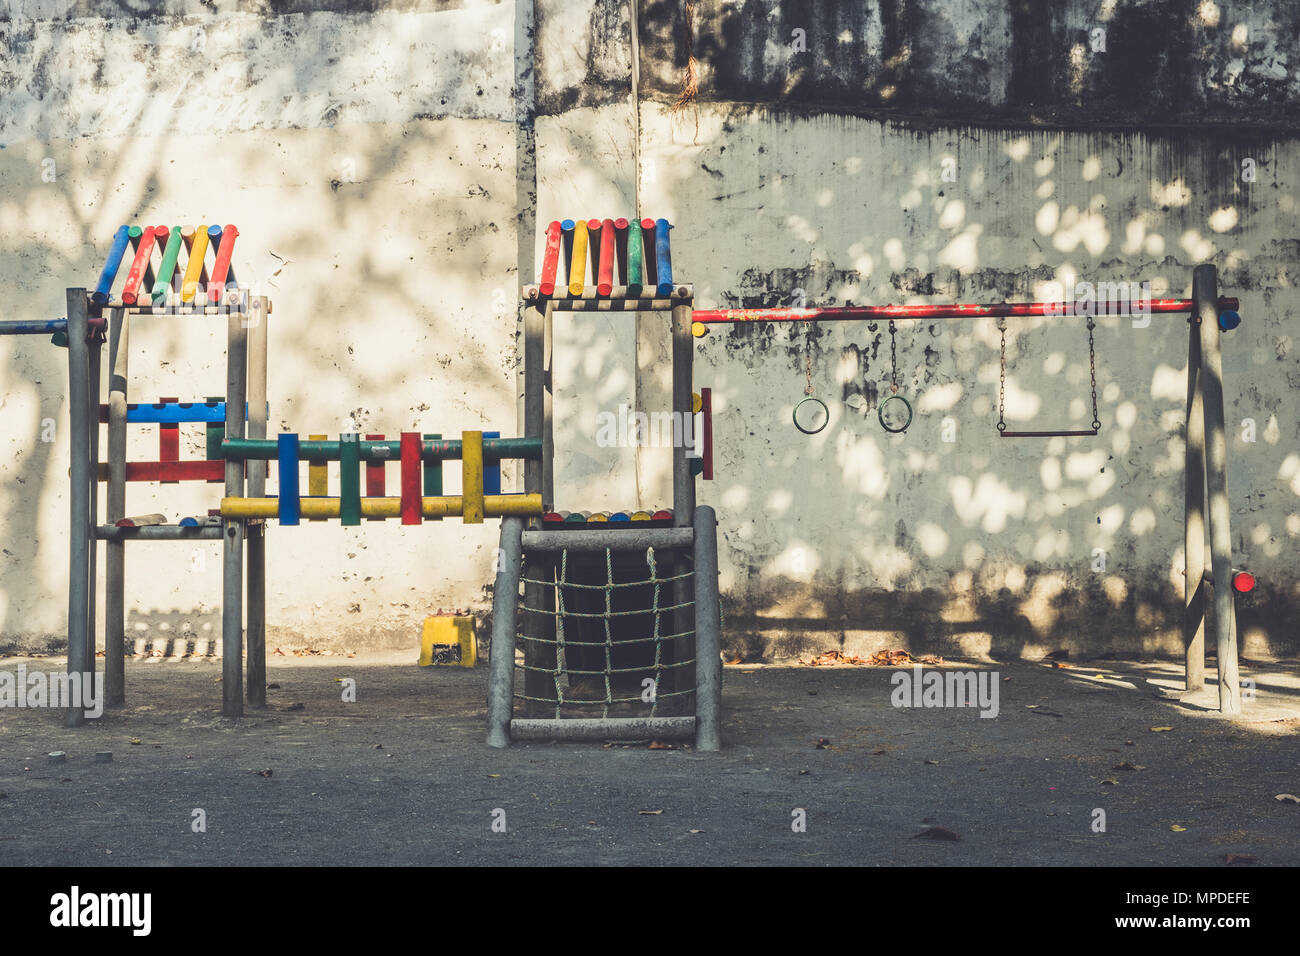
807,369
1002,379
1092,369
893,359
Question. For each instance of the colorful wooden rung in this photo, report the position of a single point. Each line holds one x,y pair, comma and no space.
551,258
288,507
140,267
195,269
636,252
578,258
663,258
224,240
108,274
142,286
177,412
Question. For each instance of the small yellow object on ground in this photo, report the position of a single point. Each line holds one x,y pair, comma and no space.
448,640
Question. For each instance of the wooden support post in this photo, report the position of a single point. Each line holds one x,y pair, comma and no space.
1216,482
119,331
1194,513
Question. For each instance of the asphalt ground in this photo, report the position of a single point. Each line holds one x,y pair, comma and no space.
403,775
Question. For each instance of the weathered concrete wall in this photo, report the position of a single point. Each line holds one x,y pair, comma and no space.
389,165
369,160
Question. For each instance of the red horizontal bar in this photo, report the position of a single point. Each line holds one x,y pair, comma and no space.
955,311
1082,433
170,471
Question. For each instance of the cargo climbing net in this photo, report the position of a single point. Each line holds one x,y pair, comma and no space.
608,631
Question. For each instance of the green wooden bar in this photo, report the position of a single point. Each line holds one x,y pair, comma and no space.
168,267
216,430
635,258
433,475
350,481
494,449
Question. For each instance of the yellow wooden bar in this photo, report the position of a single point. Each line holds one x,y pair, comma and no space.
194,267
445,506
471,487
318,475
578,261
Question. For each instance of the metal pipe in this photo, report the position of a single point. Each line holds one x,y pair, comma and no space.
155,532
1075,433
1216,482
598,538
708,633
606,728
954,311
681,649
115,552
505,610
494,449
80,540
33,326
538,653
94,366
446,506
232,565
255,533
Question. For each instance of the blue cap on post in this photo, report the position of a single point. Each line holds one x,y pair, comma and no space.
1228,321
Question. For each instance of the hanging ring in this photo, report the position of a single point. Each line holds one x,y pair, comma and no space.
825,421
880,413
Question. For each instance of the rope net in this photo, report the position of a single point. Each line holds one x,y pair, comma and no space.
607,633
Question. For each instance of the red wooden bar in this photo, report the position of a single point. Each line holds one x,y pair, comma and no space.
375,476
620,249
650,276
169,439
605,277
217,287
593,247
706,406
170,471
551,260
138,266
956,311
412,489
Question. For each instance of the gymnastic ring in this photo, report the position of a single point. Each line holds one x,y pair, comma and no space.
815,401
880,413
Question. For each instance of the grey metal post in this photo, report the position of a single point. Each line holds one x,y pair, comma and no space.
1194,511
1206,281
115,551
685,648
232,567
94,361
505,605
538,479
708,633
80,531
256,531
684,407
